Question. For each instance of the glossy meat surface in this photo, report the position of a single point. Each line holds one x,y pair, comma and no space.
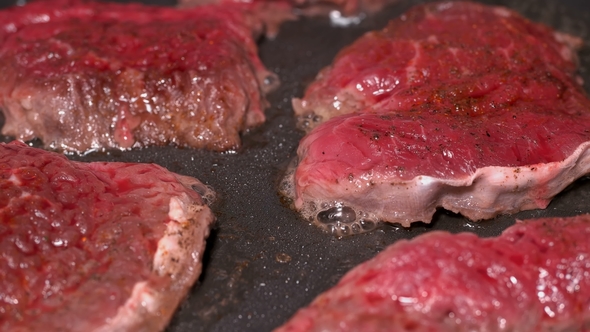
435,114
450,57
95,246
83,75
534,277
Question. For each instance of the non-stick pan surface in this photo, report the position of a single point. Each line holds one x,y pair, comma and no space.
263,262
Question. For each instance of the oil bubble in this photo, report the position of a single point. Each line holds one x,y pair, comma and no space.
333,216
331,229
310,206
367,225
337,214
345,230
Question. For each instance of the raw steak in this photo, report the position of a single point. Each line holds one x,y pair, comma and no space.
84,75
95,246
455,105
416,57
534,277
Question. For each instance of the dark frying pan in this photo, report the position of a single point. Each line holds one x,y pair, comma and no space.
262,261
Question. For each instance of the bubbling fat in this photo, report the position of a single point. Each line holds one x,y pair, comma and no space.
333,217
308,121
207,193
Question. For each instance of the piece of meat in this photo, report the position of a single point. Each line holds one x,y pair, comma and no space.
456,105
83,75
95,246
268,14
274,12
534,277
415,58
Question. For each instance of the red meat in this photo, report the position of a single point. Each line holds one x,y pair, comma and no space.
84,75
534,277
456,105
95,246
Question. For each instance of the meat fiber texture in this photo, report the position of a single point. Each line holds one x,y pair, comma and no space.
84,76
95,246
534,277
456,105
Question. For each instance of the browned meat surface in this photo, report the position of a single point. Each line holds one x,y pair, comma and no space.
84,75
